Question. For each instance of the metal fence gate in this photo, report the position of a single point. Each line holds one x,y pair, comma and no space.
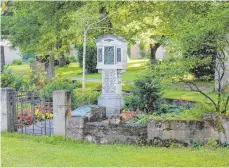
34,112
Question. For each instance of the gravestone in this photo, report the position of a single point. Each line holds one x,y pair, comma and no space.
111,63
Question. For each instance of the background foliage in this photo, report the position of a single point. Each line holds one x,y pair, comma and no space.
91,58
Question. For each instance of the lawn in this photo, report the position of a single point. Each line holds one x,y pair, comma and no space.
33,151
20,69
74,71
134,66
188,95
168,94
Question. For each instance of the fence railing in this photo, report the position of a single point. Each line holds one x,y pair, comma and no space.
33,112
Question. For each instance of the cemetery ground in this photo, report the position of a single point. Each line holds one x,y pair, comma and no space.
24,150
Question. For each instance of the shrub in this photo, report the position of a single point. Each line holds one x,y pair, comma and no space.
169,108
17,62
8,79
174,112
71,59
197,111
88,97
31,60
146,92
91,58
129,116
209,68
212,144
59,83
37,78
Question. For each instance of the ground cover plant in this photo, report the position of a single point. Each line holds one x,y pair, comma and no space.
24,150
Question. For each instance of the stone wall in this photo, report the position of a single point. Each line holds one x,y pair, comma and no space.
156,132
186,132
75,127
100,132
115,133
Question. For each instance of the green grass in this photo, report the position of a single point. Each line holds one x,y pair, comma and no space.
168,94
134,67
187,95
20,69
74,71
33,151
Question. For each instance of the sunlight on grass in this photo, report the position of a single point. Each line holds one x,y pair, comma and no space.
135,65
137,60
187,95
34,151
73,70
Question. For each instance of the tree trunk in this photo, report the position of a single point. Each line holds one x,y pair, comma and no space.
84,57
222,70
2,58
51,72
153,50
62,61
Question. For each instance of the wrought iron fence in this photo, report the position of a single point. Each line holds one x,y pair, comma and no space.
34,112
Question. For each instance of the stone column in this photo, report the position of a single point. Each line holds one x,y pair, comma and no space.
8,110
61,106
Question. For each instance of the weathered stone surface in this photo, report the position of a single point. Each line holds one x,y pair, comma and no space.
8,110
209,116
115,133
92,112
112,102
81,111
75,127
186,132
61,107
156,132
98,113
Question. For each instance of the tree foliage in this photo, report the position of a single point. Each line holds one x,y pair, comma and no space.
91,58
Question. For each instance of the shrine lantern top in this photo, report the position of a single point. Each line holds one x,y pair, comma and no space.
111,52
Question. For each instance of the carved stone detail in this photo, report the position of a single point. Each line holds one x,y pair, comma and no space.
109,77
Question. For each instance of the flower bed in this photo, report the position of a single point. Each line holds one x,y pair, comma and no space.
41,112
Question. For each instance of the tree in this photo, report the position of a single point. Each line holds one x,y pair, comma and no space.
186,27
2,58
88,19
4,32
38,28
138,21
190,27
52,28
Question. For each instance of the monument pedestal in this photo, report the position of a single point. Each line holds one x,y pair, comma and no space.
113,104
111,96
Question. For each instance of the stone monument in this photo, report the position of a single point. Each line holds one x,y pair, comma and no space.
111,62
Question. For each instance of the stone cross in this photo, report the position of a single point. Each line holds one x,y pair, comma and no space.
111,63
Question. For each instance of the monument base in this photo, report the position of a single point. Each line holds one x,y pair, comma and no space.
113,103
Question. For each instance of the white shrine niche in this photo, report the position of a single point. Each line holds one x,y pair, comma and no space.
111,63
